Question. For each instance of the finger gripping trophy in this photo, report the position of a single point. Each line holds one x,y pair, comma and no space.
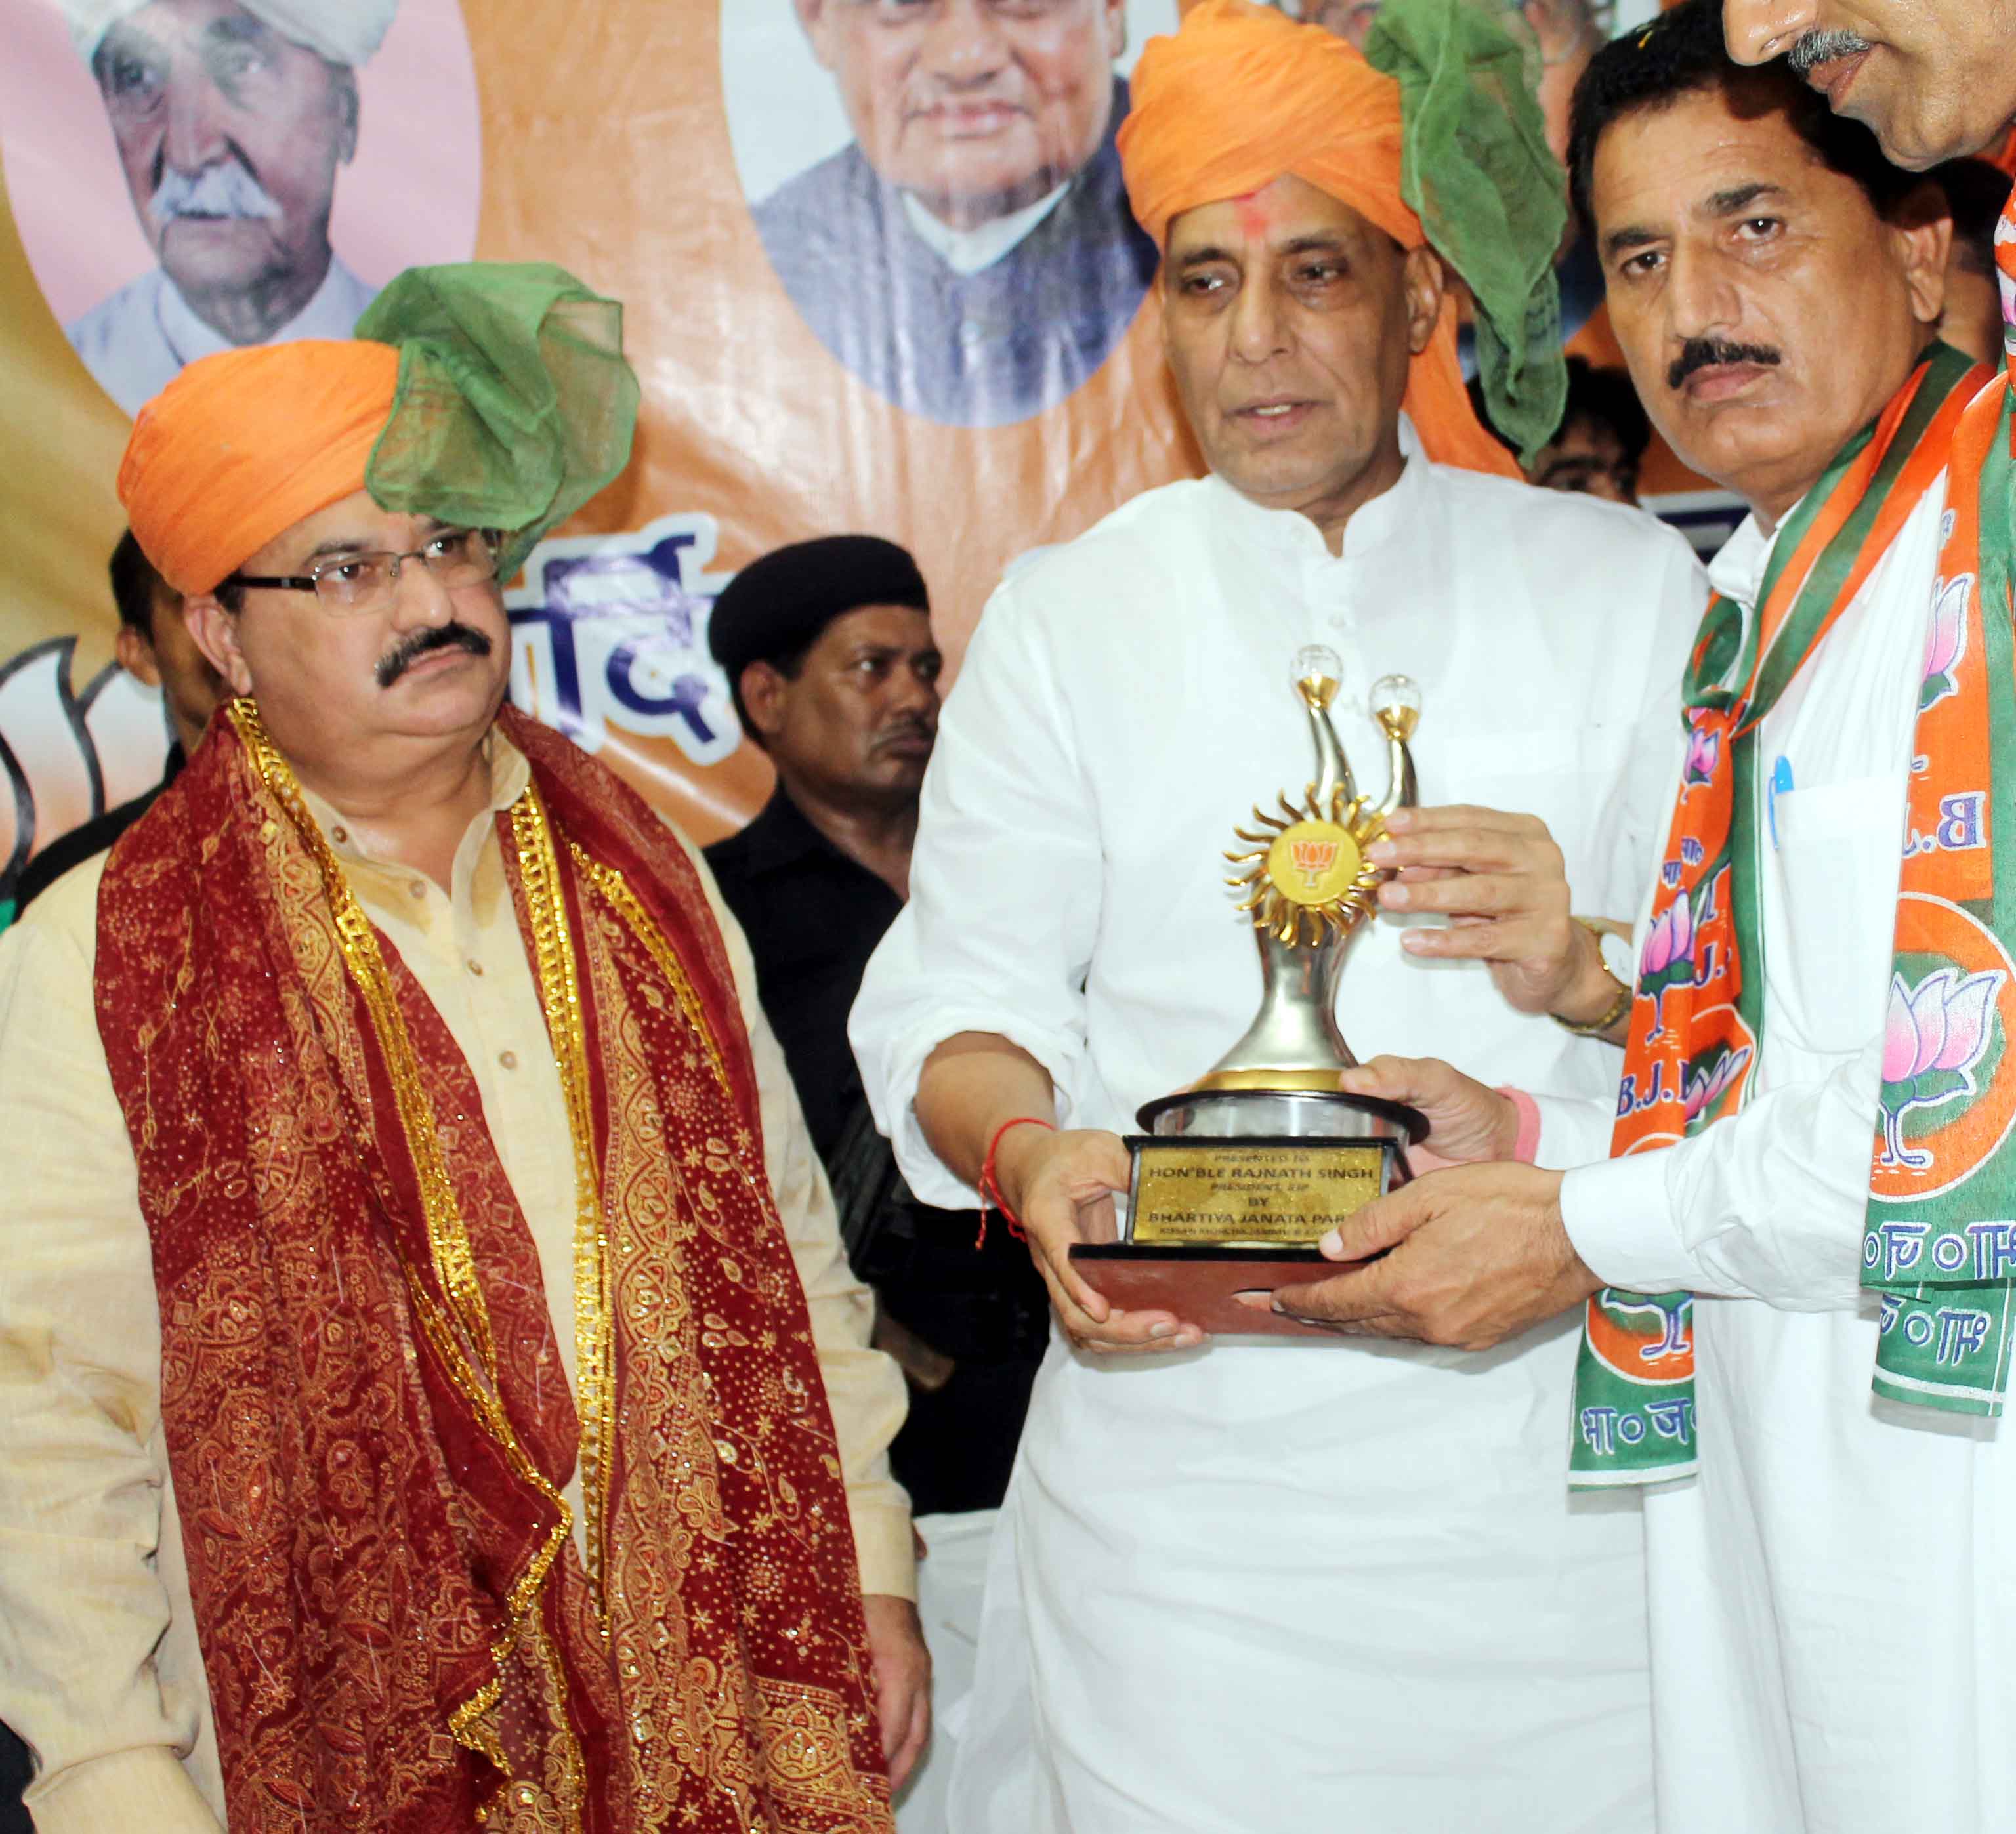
1240,1175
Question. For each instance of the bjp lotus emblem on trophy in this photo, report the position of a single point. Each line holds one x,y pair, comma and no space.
1260,1156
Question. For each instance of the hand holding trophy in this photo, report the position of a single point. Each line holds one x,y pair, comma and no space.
1238,1177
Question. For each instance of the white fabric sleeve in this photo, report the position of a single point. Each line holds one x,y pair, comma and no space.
1575,1130
1005,893
82,1465
864,1388
1766,1204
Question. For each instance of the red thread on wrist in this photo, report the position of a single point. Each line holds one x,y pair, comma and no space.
990,1186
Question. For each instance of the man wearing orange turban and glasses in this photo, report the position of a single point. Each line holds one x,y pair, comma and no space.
431,1391
1291,1586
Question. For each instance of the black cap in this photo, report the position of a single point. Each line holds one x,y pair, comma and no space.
778,606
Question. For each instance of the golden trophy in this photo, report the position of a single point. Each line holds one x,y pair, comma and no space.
1238,1177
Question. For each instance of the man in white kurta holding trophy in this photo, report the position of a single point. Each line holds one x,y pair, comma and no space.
1296,1584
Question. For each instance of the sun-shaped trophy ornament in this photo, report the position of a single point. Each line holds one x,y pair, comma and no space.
1304,871
1240,1175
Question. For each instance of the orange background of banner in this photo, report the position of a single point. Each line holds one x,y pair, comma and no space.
606,150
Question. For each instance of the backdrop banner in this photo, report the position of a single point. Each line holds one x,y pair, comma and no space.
860,296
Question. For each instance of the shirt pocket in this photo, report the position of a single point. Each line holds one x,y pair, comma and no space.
1835,866
1572,777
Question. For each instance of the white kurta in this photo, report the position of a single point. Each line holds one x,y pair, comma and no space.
1285,1588
137,341
1832,1599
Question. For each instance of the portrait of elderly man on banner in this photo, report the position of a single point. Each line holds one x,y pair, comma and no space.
969,252
232,125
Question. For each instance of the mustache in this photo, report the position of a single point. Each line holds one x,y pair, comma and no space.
908,727
1708,352
225,188
396,661
1817,48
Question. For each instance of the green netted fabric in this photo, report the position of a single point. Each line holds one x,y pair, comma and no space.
516,403
1476,170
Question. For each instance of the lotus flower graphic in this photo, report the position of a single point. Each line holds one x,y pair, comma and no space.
1672,1315
65,756
1945,643
1935,1034
1667,958
1704,754
1710,1079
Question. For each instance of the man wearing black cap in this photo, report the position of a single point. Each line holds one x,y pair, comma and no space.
828,650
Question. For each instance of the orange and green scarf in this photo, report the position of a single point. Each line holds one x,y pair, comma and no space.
1697,1022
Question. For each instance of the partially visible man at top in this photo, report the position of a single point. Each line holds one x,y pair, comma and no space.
1934,79
1242,1588
1812,1183
431,1391
155,647
970,256
828,649
231,121
1976,194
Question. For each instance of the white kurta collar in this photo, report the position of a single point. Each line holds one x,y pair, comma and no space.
1392,513
1738,570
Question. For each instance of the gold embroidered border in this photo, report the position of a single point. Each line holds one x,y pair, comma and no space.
454,1265
559,992
448,1237
613,887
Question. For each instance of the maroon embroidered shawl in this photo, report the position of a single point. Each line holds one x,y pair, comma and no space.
366,1417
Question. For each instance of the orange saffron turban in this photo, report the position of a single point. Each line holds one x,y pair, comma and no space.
1241,97
243,445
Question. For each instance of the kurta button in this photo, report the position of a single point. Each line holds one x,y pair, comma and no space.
475,967
508,1058
418,888
340,836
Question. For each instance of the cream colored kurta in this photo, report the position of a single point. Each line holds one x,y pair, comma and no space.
99,1670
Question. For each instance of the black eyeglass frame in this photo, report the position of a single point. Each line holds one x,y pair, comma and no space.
493,541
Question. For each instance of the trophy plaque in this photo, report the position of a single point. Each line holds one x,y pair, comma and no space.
1238,1177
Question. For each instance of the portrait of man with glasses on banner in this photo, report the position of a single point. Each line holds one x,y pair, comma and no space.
969,253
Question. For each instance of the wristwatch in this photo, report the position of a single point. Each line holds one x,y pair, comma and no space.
1606,941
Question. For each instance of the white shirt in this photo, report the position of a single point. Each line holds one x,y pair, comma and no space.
1285,1587
1832,1598
137,341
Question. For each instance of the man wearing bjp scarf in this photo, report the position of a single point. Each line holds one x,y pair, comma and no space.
1287,1585
1798,1261
434,1393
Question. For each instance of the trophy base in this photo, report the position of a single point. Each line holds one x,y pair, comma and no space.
1233,1190
1203,1285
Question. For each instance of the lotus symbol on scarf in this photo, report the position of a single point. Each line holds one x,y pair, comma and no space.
1704,754
1935,1034
1671,1316
1667,958
1709,1079
1945,643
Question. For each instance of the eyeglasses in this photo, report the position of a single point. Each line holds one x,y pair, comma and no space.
365,582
